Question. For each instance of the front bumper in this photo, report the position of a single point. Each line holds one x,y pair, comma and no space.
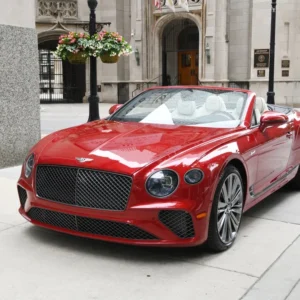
166,223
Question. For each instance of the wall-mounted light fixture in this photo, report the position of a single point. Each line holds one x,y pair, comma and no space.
207,52
137,56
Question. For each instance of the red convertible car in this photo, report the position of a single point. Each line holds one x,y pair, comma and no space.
175,166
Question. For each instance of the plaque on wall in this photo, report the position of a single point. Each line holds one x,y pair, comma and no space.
261,73
285,63
261,58
285,73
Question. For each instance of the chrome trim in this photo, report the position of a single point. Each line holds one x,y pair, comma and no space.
271,185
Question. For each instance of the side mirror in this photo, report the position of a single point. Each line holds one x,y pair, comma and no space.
114,108
272,118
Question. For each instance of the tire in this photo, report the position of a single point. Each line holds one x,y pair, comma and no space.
229,213
294,184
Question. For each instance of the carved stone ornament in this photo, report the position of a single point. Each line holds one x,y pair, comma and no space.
190,2
57,8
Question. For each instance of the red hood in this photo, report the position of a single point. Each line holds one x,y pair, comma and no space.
122,147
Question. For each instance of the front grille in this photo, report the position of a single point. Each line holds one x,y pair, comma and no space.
179,222
83,187
22,196
87,225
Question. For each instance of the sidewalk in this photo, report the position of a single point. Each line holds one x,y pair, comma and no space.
57,116
264,263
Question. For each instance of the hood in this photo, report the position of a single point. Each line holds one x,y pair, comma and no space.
122,147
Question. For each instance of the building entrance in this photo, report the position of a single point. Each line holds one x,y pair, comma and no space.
181,53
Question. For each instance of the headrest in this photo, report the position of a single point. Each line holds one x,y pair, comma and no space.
186,108
261,105
239,105
214,103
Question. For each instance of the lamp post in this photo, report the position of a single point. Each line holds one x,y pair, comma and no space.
271,93
93,98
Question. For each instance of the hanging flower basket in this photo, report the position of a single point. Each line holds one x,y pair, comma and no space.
77,58
107,59
74,47
77,47
110,46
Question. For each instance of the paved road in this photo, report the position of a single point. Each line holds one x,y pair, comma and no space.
37,264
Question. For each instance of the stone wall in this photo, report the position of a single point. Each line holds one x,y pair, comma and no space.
239,31
19,92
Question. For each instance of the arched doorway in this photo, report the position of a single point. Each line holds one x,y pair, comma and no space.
180,53
60,81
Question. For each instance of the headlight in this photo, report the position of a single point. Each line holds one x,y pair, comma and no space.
162,183
29,164
193,176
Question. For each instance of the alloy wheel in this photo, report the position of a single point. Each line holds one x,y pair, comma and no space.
230,208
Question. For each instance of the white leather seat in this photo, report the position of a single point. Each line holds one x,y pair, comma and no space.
184,109
212,104
238,109
260,107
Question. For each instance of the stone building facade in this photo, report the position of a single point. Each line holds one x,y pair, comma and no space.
218,42
19,96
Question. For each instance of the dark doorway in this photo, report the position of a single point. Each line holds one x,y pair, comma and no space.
60,81
180,53
123,93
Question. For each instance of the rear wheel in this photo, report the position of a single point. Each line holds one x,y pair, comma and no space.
227,210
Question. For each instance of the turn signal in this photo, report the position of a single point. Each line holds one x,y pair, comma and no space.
201,216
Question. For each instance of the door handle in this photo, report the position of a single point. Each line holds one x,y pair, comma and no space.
289,135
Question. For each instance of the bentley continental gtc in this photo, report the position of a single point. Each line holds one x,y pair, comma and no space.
174,166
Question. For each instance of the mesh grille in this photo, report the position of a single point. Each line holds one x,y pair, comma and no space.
22,196
53,218
179,222
82,187
87,225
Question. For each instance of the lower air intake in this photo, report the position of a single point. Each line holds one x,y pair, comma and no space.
22,196
88,225
179,222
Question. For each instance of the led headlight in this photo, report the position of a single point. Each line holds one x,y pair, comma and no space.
29,164
162,183
193,176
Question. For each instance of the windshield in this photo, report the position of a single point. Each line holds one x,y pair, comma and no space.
190,107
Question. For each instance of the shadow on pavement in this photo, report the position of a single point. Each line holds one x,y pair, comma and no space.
112,250
281,198
145,254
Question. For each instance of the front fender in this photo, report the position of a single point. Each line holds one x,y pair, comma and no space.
218,159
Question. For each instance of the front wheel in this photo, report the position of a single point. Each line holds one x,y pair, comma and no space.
227,210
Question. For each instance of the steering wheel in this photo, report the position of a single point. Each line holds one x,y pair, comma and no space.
224,113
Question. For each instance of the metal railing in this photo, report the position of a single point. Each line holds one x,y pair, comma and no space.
145,85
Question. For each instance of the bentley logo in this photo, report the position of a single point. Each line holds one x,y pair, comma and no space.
83,159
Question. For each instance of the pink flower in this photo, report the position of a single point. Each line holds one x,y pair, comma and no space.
81,35
73,41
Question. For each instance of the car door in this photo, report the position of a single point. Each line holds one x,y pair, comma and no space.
273,150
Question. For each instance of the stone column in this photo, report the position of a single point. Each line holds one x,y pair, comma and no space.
221,46
19,81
